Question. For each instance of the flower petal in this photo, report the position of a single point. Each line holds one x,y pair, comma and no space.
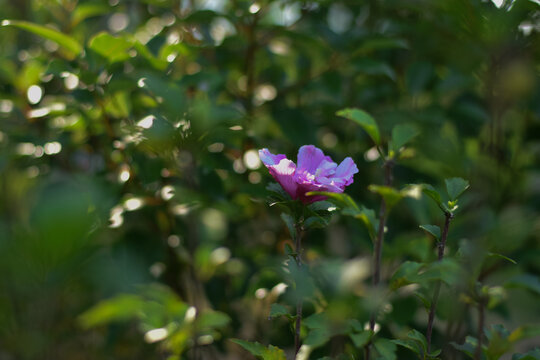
309,158
281,169
270,159
345,172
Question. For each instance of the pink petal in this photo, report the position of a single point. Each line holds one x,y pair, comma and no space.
345,172
270,159
281,169
309,158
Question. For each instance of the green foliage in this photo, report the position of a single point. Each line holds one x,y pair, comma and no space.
69,44
433,230
455,187
363,119
134,217
260,351
401,135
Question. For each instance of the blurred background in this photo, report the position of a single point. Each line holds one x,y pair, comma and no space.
133,214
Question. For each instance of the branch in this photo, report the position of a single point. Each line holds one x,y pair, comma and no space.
441,246
388,177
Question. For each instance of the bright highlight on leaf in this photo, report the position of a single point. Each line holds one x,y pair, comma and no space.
363,119
69,44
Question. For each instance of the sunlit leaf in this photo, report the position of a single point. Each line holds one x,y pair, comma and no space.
114,49
500,256
260,351
212,320
119,308
390,195
72,46
87,10
524,332
363,119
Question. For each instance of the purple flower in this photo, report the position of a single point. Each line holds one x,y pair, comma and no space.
315,172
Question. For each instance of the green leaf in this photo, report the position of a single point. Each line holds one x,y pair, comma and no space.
322,206
434,195
212,320
455,187
274,353
87,10
390,195
154,61
468,347
446,270
531,355
402,134
524,332
406,273
114,49
277,310
265,353
317,337
255,348
419,338
500,256
119,308
361,339
367,216
409,344
386,348
432,229
315,222
363,119
343,200
169,93
316,321
289,250
72,46
525,281
278,191
289,221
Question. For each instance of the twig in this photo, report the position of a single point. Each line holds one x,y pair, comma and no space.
481,310
250,66
388,177
441,246
298,259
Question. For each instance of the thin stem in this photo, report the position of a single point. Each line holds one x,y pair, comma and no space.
298,259
481,310
250,65
441,246
388,165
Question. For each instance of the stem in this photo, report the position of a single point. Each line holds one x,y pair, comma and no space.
298,259
481,308
433,307
388,165
250,66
